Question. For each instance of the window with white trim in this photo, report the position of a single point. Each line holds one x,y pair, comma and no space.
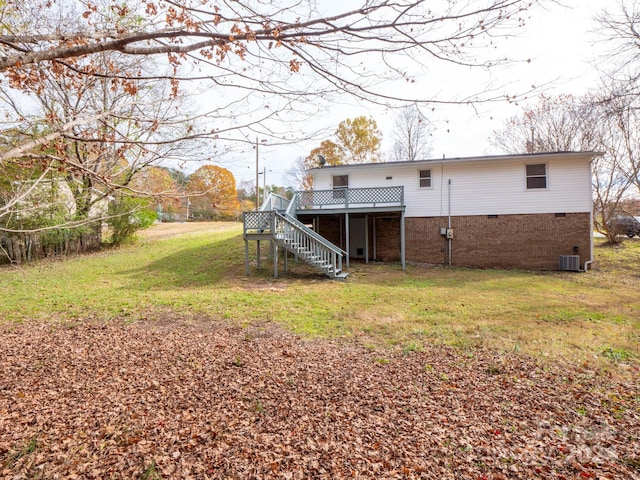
340,184
424,178
536,176
340,181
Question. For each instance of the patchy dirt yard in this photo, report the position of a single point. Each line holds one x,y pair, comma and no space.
190,400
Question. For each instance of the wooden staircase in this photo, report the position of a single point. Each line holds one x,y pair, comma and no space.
312,248
273,223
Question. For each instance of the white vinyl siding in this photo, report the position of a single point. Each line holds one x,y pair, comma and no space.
478,187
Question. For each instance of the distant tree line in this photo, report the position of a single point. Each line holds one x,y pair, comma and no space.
44,222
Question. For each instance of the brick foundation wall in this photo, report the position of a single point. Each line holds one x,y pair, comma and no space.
387,233
508,241
387,239
329,228
423,242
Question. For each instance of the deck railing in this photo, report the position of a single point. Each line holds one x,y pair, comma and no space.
349,198
258,222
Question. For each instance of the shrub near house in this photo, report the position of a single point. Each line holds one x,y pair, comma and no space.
127,215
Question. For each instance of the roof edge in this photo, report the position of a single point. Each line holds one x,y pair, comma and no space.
465,159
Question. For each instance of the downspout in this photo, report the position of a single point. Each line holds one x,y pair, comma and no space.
589,262
449,222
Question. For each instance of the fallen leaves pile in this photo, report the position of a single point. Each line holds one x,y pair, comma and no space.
151,400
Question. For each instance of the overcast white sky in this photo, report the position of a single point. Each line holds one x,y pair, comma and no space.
563,50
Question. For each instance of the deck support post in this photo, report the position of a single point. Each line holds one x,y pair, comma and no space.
375,246
402,246
286,257
347,234
246,257
275,260
258,259
366,238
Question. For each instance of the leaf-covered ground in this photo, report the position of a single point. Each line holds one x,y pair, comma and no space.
176,400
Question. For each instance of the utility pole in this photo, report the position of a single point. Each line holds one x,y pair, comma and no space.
264,183
257,184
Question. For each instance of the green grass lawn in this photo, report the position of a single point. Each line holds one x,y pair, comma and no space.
198,277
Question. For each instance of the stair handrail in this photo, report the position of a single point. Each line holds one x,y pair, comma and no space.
312,233
268,202
293,205
290,214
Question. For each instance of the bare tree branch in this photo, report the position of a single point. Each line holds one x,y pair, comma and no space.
105,80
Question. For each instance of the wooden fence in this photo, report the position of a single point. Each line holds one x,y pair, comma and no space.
27,247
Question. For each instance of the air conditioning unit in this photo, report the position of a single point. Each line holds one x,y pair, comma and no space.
570,263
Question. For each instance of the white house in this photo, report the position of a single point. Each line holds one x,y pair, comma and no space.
519,211
531,211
